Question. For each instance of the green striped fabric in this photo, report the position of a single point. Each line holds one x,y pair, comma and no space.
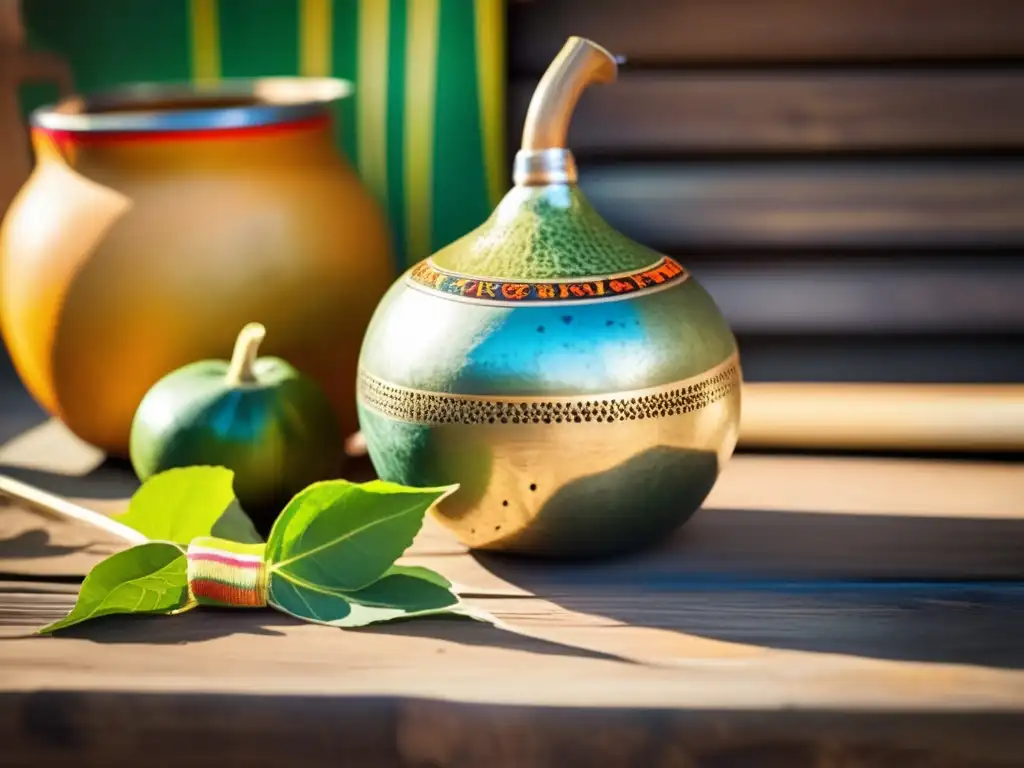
438,165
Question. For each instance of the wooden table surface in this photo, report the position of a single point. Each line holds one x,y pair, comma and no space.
818,611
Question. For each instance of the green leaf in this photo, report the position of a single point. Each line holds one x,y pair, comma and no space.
148,578
402,593
180,504
235,525
341,536
419,572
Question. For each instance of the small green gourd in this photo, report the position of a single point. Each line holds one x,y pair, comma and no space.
259,417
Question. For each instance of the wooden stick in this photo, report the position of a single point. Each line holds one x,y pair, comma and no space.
48,503
883,416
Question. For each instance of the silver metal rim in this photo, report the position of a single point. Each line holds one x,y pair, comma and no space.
538,167
277,100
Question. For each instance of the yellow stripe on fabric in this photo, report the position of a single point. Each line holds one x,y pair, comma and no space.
490,63
372,96
204,28
315,35
229,574
420,86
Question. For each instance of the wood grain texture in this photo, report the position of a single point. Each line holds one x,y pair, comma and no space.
625,661
768,517
866,294
62,728
778,31
768,111
47,547
853,612
825,632
807,204
909,417
883,358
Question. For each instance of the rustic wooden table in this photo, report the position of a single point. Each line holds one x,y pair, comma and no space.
818,612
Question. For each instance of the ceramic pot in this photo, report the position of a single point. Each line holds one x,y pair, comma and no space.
161,219
583,390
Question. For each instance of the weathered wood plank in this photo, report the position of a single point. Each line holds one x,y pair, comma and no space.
628,647
806,356
923,655
975,623
42,546
772,518
658,653
907,417
658,113
807,204
866,294
61,728
768,517
733,31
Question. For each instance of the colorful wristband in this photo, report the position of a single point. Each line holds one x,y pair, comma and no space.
225,573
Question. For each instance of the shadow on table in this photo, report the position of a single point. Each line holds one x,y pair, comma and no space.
167,630
18,414
37,544
464,631
206,624
112,479
18,411
803,581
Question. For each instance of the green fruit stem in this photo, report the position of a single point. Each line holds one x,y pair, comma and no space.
247,345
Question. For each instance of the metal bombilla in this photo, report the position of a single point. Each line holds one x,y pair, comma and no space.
582,389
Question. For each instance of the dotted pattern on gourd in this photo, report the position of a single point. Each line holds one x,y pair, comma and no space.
544,233
435,408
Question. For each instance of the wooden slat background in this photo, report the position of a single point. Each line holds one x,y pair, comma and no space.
776,31
825,203
845,176
802,112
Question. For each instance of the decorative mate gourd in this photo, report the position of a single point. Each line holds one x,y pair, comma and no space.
583,389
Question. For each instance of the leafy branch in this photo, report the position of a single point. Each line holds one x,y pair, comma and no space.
329,559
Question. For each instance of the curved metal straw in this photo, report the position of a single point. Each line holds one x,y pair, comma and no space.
544,158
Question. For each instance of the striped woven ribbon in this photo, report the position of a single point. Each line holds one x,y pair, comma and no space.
227,574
